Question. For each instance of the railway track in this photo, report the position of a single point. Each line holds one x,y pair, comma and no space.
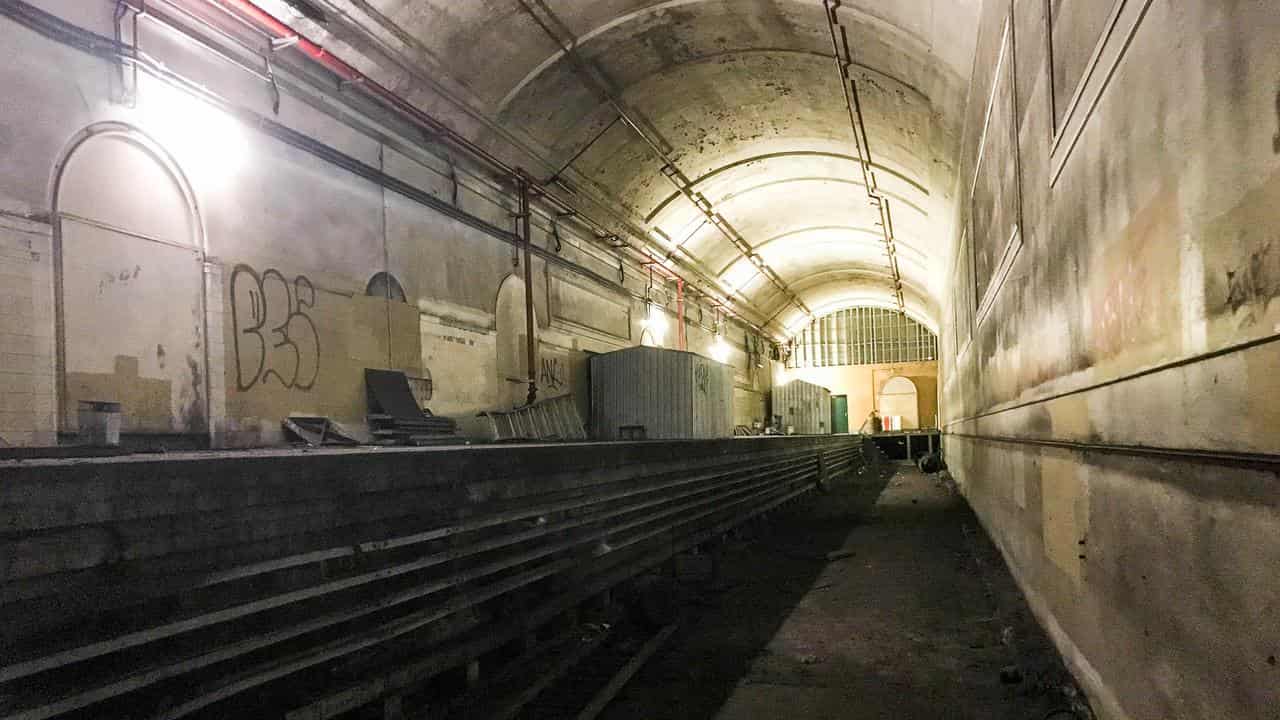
353,584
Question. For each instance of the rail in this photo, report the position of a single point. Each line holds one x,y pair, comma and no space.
303,585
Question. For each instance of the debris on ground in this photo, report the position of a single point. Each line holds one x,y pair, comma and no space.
797,620
1010,675
930,463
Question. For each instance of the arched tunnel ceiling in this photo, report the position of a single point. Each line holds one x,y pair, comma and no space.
746,100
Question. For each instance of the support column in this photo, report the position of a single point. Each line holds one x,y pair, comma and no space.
527,244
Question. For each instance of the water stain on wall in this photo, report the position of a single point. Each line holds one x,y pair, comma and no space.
1275,141
193,398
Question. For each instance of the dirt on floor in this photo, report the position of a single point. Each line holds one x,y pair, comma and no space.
917,618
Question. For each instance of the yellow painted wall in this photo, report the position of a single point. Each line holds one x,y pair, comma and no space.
862,385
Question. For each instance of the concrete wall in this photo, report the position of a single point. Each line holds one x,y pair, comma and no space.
1115,292
213,278
863,384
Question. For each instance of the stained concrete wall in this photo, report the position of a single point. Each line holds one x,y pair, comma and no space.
273,317
1115,293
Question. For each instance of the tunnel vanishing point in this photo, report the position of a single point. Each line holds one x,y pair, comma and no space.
361,357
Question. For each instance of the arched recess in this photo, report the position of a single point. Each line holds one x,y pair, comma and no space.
513,357
129,284
385,285
898,398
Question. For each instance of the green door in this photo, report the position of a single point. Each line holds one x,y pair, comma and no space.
840,414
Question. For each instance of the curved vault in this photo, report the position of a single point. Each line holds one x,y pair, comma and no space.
746,98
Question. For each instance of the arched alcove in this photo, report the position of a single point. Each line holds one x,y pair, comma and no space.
385,285
899,398
513,358
129,284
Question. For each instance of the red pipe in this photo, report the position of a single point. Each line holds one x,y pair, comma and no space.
680,338
279,30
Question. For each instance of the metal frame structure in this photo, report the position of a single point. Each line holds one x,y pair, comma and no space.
844,60
218,26
596,79
862,336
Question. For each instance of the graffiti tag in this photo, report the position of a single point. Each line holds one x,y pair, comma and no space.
552,374
273,334
702,378
122,277
1254,282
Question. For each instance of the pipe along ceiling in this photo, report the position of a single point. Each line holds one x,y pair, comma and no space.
718,126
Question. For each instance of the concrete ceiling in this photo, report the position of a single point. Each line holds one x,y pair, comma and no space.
745,99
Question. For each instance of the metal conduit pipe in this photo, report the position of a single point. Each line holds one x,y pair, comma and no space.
280,32
531,343
844,60
61,31
596,80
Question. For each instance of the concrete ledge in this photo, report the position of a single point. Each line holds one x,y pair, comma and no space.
154,576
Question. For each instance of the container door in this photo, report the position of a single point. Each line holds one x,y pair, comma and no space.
840,414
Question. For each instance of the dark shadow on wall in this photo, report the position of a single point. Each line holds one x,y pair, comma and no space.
147,421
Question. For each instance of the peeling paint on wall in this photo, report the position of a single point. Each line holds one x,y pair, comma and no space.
1135,283
1064,503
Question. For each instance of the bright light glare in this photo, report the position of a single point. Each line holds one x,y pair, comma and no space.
720,350
656,324
781,375
206,142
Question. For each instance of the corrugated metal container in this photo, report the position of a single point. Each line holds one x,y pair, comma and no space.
805,408
646,393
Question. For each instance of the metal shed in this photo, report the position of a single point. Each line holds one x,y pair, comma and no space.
647,393
805,408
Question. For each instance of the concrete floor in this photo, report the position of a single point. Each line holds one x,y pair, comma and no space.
919,623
